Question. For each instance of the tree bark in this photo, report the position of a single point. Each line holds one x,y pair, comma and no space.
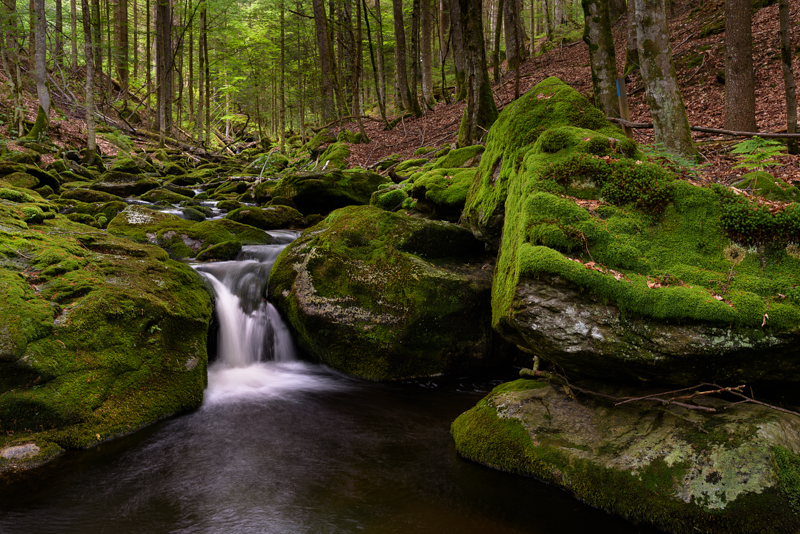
457,42
40,74
375,68
740,96
201,74
498,30
88,51
400,60
658,72
96,34
597,35
121,44
788,74
325,51
427,54
73,20
58,56
11,61
515,46
282,96
481,110
415,53
548,20
380,57
357,107
632,45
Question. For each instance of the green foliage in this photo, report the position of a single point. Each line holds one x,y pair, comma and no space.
756,153
747,221
645,185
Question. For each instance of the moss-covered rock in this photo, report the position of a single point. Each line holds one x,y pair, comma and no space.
682,471
550,104
389,197
123,184
334,157
765,185
269,218
323,192
611,267
320,138
42,177
180,237
469,156
22,179
227,250
99,336
89,195
384,296
164,195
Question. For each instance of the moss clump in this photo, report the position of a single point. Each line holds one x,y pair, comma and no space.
389,198
89,196
461,157
335,156
323,192
164,195
384,296
227,250
270,218
410,164
765,185
320,138
749,221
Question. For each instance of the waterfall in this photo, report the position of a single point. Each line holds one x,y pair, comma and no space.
256,355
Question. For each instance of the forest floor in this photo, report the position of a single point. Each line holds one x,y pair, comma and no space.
698,61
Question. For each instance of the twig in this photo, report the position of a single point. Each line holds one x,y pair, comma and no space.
764,135
17,252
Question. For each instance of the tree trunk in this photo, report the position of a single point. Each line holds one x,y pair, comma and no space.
88,51
427,54
40,74
548,20
788,74
457,42
740,96
190,83
481,110
357,107
400,55
58,56
375,69
164,66
632,45
498,30
325,61
73,20
415,57
616,8
658,72
597,36
515,45
121,44
532,49
135,39
10,55
97,42
282,96
32,35
148,52
380,56
201,75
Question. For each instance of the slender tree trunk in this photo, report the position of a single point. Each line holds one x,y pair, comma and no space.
400,55
148,53
375,69
481,110
380,56
357,107
616,8
190,83
201,73
515,34
788,73
548,19
58,56
597,36
135,40
740,96
32,36
88,51
282,96
457,42
498,30
632,45
208,76
532,49
415,54
97,42
325,61
40,74
658,72
121,44
427,54
73,20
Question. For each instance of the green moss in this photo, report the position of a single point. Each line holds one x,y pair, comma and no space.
270,218
459,157
335,156
388,199
227,250
788,468
410,164
765,185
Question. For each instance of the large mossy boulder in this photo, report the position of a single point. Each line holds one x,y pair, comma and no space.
182,238
612,267
733,471
384,296
269,218
124,184
323,192
99,336
550,104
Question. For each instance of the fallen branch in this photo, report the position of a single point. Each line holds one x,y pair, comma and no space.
763,135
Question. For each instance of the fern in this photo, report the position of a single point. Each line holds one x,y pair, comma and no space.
756,153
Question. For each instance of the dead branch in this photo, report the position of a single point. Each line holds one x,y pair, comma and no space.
764,135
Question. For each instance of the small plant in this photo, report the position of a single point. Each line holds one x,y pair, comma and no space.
678,164
793,251
734,253
756,153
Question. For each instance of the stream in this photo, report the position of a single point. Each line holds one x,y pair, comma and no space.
285,446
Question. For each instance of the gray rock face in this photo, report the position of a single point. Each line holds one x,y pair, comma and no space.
20,452
681,470
558,322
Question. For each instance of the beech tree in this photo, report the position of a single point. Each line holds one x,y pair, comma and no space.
661,83
11,62
40,73
597,35
481,110
788,74
740,96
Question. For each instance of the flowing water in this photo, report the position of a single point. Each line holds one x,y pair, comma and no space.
284,446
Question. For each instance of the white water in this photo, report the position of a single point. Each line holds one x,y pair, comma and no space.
256,356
